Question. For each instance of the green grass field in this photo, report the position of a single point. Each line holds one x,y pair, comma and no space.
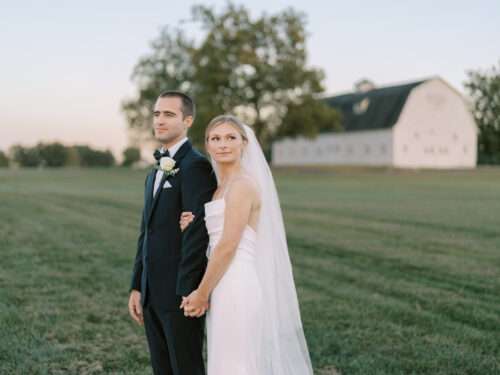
398,272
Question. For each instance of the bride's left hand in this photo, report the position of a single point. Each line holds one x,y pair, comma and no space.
186,218
194,305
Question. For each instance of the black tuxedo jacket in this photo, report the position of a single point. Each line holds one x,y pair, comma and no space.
170,263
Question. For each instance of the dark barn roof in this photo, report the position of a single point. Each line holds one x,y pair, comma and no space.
378,108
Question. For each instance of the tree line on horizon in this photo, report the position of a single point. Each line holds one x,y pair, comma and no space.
56,154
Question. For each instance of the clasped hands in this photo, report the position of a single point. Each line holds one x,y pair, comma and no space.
195,305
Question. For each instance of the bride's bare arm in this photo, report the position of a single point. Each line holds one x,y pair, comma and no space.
238,206
237,213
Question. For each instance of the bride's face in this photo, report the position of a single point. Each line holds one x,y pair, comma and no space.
225,144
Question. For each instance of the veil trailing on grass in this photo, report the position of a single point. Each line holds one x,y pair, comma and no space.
285,347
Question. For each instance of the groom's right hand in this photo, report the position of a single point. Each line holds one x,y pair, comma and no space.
134,306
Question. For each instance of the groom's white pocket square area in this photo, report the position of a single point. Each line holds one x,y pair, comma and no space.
167,185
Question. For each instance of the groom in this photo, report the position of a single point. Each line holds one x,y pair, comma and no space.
170,263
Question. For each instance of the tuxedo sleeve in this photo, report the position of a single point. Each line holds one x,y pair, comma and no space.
198,186
137,270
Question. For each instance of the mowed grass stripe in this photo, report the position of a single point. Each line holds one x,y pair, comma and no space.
378,289
326,256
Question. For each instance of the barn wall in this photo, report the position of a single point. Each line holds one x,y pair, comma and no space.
435,129
372,147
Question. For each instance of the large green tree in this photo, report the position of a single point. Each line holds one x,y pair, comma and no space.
255,68
484,88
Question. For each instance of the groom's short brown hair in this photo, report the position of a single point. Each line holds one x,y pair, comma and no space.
188,106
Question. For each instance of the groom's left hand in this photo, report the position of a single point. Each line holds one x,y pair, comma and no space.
194,305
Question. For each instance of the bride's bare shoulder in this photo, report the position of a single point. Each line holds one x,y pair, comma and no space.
244,186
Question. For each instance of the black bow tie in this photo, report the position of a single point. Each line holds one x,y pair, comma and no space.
158,154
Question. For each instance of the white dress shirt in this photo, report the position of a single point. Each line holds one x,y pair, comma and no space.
171,150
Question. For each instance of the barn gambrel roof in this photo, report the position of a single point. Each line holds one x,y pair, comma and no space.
378,108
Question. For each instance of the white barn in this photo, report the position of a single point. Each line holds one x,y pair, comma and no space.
423,124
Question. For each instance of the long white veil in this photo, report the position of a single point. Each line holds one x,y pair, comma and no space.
285,347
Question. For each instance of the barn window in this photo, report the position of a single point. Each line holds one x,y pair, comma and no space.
360,107
383,149
367,149
349,149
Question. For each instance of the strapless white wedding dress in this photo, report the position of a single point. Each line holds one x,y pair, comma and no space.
234,319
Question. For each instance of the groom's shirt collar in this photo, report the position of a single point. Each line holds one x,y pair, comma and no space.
172,150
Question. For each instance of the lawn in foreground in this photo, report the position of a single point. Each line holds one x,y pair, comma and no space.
397,271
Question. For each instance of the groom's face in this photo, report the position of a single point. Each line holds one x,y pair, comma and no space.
169,123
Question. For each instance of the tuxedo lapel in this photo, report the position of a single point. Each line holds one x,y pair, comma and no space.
181,152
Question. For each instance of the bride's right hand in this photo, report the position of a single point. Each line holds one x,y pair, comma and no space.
186,219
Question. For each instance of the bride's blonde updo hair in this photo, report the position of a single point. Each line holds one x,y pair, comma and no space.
227,119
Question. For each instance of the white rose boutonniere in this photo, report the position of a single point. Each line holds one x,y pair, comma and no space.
167,165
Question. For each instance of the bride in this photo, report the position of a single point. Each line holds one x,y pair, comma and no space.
253,321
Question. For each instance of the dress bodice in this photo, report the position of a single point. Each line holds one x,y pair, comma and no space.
214,220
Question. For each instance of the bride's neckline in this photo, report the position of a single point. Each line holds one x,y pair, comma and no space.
222,199
215,200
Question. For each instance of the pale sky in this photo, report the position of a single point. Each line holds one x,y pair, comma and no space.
65,65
